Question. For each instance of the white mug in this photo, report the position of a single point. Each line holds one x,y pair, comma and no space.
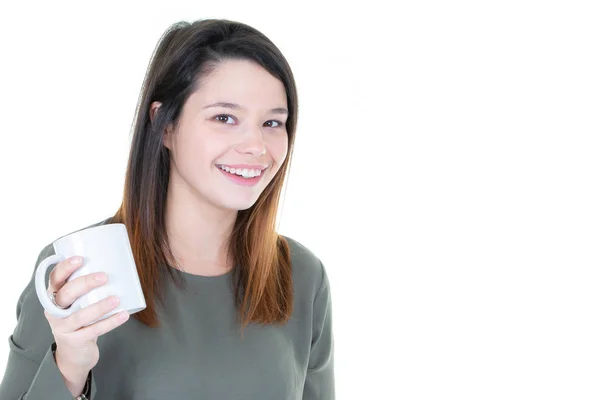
104,248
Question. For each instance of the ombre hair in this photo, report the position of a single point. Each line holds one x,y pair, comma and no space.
185,55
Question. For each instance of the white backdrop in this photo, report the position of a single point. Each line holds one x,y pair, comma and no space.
446,172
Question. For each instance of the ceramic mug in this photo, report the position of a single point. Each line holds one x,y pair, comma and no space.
104,248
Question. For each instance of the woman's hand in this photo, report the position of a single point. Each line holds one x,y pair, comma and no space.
76,346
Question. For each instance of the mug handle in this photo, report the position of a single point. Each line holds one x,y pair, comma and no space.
42,290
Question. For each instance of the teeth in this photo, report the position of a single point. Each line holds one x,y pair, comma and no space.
243,172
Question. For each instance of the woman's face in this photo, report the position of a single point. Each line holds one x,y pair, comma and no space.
231,138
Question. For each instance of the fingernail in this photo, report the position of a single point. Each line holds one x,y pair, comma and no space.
75,260
123,315
101,276
114,300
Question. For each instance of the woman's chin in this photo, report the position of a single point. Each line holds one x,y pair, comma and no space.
238,205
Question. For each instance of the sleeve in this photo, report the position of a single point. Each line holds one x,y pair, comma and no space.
31,372
319,383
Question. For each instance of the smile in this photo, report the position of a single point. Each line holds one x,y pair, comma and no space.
244,172
243,176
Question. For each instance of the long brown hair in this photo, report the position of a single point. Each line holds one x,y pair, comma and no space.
185,55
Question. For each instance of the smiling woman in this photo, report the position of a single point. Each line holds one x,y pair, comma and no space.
234,309
245,140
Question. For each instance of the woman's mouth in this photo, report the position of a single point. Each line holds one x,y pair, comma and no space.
242,176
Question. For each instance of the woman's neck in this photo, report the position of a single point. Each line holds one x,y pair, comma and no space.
198,234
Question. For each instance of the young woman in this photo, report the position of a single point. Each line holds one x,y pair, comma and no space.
234,310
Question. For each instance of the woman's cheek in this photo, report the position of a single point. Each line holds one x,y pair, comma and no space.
280,151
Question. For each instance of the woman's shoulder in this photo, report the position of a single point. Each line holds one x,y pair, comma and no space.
48,249
308,270
97,223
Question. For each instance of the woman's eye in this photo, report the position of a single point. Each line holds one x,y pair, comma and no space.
279,123
229,119
223,118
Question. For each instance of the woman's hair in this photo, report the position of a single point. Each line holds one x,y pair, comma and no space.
185,55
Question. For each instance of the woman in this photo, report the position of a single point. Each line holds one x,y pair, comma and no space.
234,310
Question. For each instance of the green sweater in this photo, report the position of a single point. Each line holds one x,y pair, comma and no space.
197,352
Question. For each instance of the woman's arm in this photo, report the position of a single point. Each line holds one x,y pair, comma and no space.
31,369
319,383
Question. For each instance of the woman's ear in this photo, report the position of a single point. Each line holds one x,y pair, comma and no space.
153,108
167,136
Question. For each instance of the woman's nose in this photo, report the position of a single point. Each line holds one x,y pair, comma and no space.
253,143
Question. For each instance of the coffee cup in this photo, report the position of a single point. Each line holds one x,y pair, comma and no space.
104,248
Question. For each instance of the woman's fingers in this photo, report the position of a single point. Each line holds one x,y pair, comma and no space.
71,290
62,271
101,327
88,314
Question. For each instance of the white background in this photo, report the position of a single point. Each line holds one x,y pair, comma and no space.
446,172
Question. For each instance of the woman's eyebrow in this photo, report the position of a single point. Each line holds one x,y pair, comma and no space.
233,106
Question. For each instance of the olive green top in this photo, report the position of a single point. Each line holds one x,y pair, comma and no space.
197,352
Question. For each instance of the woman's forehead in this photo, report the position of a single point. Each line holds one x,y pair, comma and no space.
244,83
